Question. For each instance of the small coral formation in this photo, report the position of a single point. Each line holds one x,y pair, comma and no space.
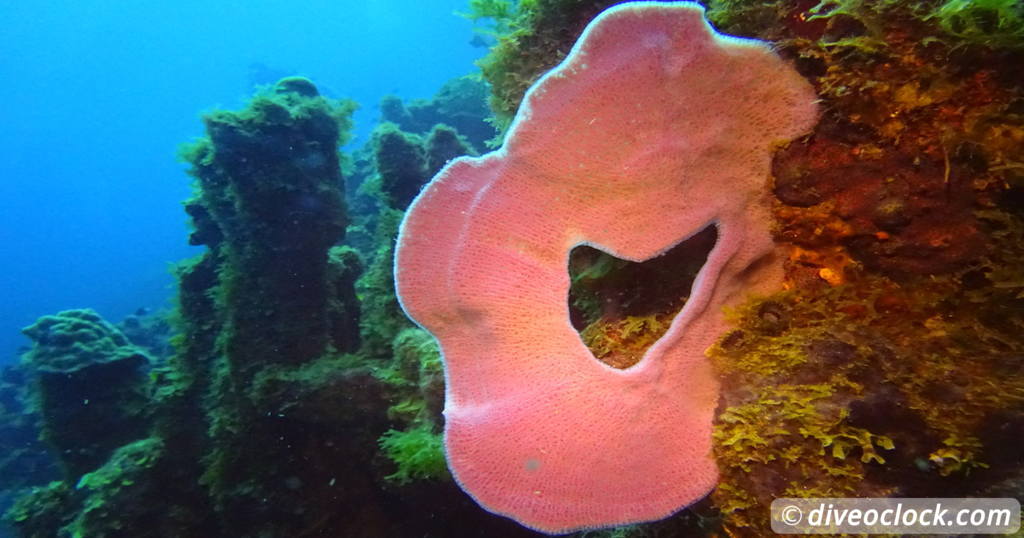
73,340
91,387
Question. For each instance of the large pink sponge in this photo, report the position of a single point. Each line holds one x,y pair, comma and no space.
654,127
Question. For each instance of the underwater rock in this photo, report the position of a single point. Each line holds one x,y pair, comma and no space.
329,392
482,255
418,358
270,180
296,85
261,425
460,103
91,387
405,161
122,494
263,354
128,494
42,511
443,144
400,163
902,212
206,231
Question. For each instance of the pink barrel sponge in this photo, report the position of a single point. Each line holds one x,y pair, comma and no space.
653,128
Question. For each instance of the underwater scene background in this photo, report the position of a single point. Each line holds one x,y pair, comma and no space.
99,94
253,372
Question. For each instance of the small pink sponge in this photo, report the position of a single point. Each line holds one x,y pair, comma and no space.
654,127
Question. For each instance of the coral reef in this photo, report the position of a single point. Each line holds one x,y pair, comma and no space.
271,415
297,399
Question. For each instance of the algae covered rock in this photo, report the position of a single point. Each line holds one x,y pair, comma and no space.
91,387
73,340
400,163
406,161
42,511
268,313
382,318
271,201
443,144
461,103
124,494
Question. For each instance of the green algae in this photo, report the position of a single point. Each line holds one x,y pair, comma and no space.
992,23
418,454
415,376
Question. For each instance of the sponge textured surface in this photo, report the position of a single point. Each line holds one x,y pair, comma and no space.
653,128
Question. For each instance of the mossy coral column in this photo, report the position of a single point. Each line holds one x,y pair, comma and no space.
271,190
267,310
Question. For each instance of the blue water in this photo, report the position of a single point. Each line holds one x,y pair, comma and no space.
97,95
